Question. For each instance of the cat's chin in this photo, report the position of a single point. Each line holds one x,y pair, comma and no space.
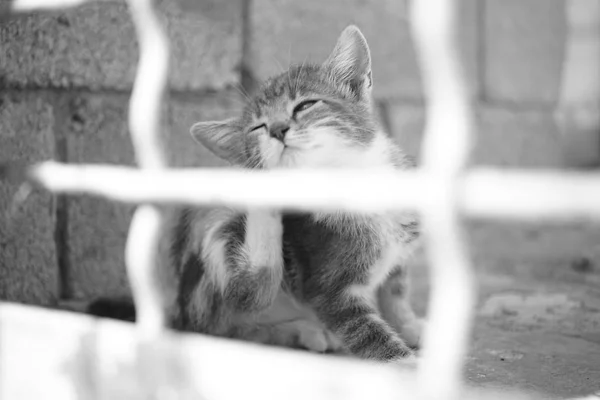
286,157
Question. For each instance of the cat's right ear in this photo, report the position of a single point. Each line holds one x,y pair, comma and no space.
222,138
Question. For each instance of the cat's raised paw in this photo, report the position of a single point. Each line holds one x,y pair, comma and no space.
412,333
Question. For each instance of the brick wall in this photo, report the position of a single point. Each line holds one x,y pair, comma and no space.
65,80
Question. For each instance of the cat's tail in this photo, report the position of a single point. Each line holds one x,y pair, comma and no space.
121,308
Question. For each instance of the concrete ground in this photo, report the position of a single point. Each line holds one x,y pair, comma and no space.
538,312
537,323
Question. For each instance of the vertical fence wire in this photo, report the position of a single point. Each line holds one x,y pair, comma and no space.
446,147
145,108
144,124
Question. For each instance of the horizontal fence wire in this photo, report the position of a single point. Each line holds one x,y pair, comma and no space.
483,192
441,189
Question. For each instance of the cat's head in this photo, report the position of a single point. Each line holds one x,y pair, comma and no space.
309,116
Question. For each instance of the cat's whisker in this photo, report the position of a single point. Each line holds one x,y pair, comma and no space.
330,123
239,89
300,74
359,129
252,161
236,97
300,132
299,135
249,162
333,119
281,69
257,160
296,141
289,66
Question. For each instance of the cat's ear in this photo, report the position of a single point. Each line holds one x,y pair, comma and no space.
350,60
223,138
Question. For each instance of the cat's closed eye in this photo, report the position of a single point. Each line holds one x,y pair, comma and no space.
305,105
261,126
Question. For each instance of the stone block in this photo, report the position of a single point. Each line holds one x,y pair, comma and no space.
97,132
528,139
406,123
28,258
287,31
94,46
183,113
524,49
509,138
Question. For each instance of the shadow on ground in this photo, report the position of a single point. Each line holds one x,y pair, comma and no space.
538,310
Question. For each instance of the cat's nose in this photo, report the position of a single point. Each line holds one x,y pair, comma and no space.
278,130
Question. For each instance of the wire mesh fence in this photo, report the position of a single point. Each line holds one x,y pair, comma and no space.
443,189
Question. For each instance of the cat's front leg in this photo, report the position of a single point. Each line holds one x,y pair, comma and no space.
255,282
251,270
395,308
360,328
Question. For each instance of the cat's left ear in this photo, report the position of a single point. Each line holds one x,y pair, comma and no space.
350,61
222,138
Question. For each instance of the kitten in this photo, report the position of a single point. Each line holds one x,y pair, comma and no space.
322,281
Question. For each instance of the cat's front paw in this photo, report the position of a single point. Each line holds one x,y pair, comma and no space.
410,362
389,351
412,332
314,338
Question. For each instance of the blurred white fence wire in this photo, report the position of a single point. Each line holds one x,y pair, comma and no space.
442,190
144,123
446,148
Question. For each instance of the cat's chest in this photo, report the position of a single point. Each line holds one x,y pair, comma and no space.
390,257
395,245
359,254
